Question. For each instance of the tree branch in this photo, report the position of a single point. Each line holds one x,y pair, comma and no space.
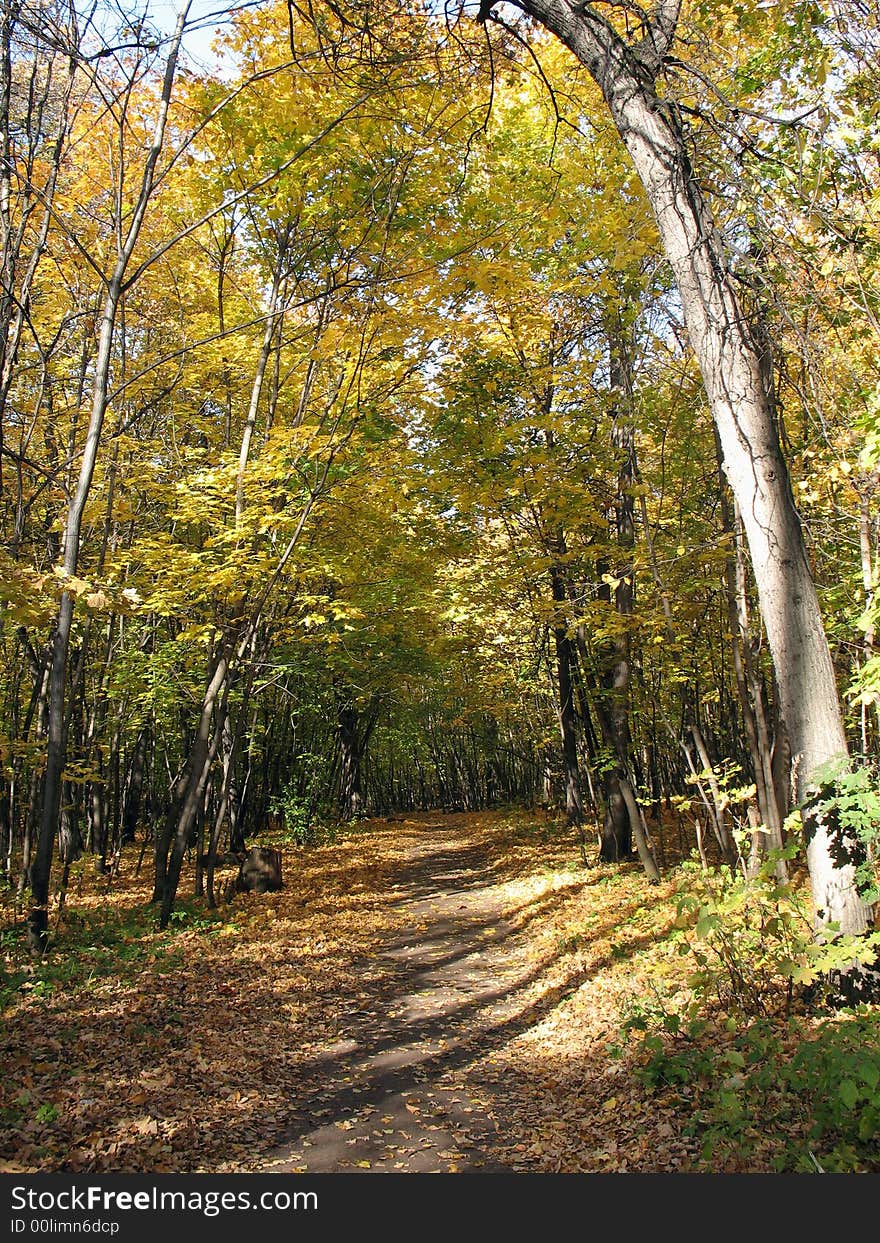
659,35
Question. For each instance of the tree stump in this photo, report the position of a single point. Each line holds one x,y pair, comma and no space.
260,871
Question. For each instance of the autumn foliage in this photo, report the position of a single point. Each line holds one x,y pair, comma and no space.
361,500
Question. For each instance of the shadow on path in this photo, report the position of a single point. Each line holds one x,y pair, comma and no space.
454,984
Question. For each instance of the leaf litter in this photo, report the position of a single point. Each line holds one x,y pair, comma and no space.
440,993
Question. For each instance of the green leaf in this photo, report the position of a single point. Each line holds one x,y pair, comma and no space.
848,1093
870,1073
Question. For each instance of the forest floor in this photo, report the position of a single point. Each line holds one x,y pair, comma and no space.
438,993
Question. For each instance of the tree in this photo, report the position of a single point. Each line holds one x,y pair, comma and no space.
130,222
517,577
734,372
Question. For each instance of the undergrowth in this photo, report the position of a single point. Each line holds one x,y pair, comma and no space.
734,1028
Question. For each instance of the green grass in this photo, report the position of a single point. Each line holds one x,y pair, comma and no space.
95,945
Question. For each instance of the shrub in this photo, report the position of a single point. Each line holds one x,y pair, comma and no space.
298,803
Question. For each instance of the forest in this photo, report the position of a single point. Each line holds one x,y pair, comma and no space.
440,501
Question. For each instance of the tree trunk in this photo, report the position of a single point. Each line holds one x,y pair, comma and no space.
134,787
869,586
716,808
351,793
574,804
204,749
768,835
620,826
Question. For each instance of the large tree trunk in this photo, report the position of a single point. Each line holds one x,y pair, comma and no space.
353,745
731,365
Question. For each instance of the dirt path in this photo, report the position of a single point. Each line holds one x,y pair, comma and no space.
438,993
388,1098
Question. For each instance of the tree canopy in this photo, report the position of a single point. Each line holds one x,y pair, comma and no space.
382,428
